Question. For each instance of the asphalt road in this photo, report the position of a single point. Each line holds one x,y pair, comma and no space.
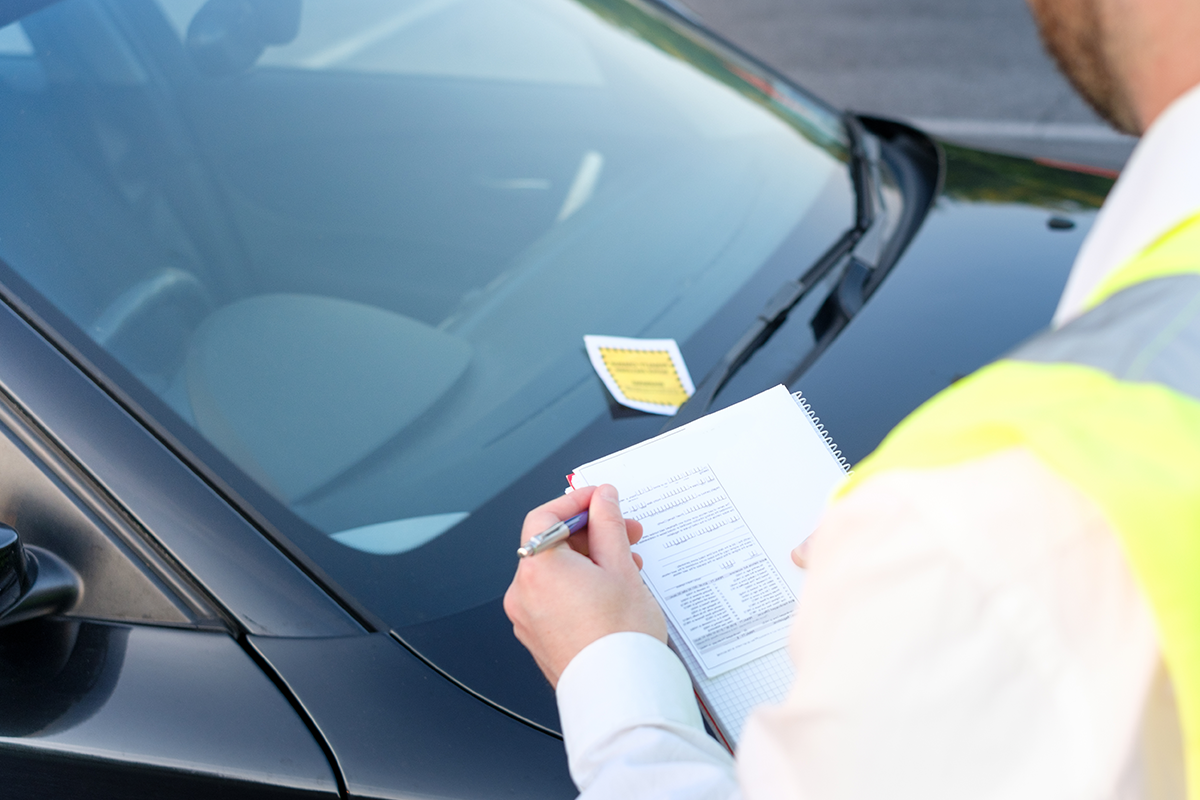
970,70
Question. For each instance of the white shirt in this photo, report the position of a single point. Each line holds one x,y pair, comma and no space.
950,642
1158,189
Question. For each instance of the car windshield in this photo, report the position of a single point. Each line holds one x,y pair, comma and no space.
345,251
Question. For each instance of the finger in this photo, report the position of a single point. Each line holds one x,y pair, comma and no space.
637,560
557,510
510,603
800,554
633,530
608,540
579,541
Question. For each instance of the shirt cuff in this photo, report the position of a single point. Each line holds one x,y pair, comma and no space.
622,681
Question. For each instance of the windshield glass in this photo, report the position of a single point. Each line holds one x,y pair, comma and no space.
347,250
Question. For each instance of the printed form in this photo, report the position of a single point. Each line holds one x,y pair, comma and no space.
723,504
709,572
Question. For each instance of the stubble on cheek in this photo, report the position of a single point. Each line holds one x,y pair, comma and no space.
1074,33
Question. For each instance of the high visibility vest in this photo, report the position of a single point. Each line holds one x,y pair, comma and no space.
1111,403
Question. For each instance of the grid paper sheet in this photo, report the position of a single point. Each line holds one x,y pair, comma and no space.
731,696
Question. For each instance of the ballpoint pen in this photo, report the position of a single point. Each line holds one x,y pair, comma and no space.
553,535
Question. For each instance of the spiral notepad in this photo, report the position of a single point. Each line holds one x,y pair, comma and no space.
834,450
723,500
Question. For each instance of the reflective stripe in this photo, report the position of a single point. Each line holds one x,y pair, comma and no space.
1146,333
1174,253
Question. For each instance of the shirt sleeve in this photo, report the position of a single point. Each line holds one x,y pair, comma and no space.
632,727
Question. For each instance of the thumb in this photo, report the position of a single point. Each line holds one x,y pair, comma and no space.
608,541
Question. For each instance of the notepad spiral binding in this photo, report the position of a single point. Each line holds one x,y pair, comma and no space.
816,421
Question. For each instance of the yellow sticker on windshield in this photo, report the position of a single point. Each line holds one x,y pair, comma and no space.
647,376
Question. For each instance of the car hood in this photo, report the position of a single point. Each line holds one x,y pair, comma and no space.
982,274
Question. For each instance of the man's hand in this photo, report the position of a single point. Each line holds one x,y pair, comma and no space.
567,597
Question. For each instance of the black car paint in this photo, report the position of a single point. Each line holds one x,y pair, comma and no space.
94,709
417,734
984,273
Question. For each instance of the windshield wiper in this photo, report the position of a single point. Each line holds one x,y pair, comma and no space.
776,310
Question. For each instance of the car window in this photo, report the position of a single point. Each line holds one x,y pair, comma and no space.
355,256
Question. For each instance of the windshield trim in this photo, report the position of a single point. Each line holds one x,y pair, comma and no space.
819,121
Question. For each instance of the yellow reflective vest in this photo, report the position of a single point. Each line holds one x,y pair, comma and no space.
1111,403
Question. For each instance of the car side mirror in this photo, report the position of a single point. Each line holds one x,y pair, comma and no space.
226,37
33,581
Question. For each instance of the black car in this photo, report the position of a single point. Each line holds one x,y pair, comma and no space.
291,338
